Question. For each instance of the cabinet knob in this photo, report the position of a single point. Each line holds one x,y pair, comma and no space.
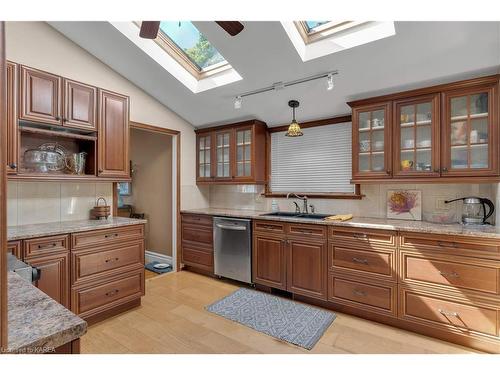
100,170
57,118
13,166
444,169
388,171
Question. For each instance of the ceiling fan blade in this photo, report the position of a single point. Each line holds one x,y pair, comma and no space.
231,27
149,29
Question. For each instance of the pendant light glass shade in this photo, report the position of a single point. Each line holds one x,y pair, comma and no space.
294,128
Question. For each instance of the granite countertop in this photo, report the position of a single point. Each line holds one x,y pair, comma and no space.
484,231
36,322
51,229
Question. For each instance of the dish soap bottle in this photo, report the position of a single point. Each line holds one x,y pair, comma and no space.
274,206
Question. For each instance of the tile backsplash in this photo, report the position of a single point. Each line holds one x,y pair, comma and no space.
373,203
46,202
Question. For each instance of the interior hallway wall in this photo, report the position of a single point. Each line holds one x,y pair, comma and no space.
151,155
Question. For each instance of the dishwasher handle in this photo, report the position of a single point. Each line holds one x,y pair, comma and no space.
231,227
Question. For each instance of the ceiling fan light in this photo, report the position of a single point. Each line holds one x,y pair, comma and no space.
294,130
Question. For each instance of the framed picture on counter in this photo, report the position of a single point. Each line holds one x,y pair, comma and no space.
404,204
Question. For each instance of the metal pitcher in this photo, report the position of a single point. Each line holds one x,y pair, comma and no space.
76,162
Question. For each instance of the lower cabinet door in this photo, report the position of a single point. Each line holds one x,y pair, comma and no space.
54,276
269,262
307,268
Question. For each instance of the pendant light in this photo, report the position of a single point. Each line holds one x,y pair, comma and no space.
294,127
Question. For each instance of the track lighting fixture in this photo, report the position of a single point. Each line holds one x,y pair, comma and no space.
282,85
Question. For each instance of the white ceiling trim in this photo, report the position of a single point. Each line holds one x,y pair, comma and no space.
152,49
353,37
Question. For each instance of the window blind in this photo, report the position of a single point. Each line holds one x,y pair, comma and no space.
318,162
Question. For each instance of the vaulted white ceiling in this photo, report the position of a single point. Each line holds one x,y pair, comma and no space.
421,53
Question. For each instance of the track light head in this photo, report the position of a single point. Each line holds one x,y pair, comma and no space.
237,102
329,82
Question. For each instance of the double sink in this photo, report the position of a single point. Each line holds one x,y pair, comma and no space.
297,215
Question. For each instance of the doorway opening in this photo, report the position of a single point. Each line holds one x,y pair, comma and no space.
153,193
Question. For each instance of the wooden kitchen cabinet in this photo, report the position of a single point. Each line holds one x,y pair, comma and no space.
51,256
54,275
80,105
40,98
232,154
371,134
306,268
293,259
12,136
15,248
113,139
205,170
417,137
197,242
269,261
470,131
442,133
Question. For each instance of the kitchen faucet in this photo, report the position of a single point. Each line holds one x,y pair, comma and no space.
303,198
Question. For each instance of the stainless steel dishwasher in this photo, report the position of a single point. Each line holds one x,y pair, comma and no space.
233,248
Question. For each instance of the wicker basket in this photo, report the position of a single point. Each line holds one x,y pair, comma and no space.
101,211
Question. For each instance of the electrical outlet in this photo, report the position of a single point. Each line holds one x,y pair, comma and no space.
441,206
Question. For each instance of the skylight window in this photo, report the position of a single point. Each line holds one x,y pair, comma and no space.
313,31
192,43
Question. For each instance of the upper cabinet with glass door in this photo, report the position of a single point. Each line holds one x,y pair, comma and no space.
204,157
416,137
371,141
471,132
238,154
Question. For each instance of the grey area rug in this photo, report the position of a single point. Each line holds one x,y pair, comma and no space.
290,321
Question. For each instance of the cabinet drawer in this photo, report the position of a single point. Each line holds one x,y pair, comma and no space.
455,272
454,245
197,219
106,236
310,230
269,226
198,234
368,262
89,300
197,258
443,312
45,245
366,294
88,265
15,248
367,238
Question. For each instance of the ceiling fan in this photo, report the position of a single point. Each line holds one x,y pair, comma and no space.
149,29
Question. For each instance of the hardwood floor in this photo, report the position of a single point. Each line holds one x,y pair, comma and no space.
172,319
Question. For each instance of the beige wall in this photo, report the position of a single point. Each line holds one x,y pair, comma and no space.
151,156
39,45
46,202
372,205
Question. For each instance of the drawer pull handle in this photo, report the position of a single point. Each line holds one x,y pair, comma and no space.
45,246
448,313
449,274
360,261
111,235
112,293
447,244
359,293
111,260
360,235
